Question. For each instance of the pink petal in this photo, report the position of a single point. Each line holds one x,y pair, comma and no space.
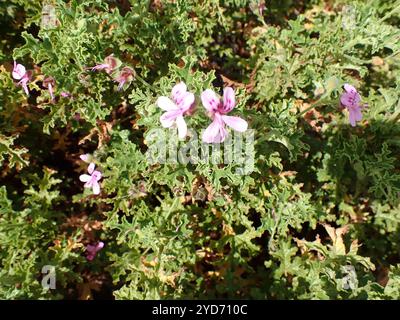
211,132
210,100
166,104
121,84
96,187
236,123
178,91
215,132
96,175
100,246
111,63
90,257
358,114
85,157
100,66
89,184
51,92
91,167
84,177
19,71
169,117
345,99
349,88
350,99
222,134
91,248
354,115
352,119
228,99
25,87
187,101
182,127
65,94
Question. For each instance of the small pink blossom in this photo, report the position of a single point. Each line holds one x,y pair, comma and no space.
261,7
91,179
180,103
351,100
258,6
126,75
93,249
216,132
65,94
109,65
86,157
49,83
19,73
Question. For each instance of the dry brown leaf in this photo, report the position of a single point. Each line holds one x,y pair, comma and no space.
336,236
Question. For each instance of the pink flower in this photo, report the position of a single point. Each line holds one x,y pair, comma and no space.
180,103
49,84
93,249
126,75
109,65
91,179
86,157
261,7
65,94
216,132
258,6
351,100
19,73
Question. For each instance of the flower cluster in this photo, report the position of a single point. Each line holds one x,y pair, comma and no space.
111,66
182,103
19,73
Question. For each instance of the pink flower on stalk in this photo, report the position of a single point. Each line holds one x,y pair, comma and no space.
109,64
49,84
261,7
180,103
19,73
126,75
351,100
216,132
93,249
91,179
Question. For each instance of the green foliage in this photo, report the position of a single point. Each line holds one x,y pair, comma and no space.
27,234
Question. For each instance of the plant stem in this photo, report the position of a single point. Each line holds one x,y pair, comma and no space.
145,83
389,14
314,105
